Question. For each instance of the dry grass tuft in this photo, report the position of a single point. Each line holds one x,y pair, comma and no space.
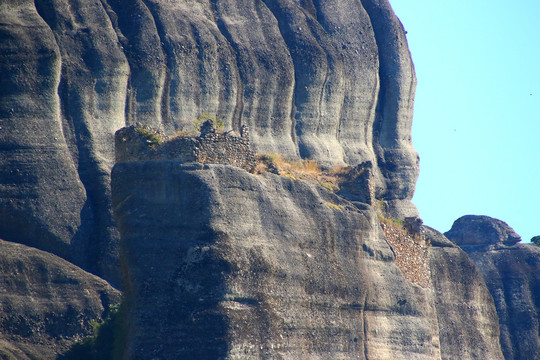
305,169
308,166
335,206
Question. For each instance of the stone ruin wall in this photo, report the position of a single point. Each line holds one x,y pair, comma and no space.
143,143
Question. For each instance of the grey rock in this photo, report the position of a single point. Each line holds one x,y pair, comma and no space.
513,277
479,230
359,185
466,313
225,264
331,81
60,101
413,225
467,318
512,274
435,238
237,265
46,303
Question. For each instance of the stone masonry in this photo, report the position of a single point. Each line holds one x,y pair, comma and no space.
140,143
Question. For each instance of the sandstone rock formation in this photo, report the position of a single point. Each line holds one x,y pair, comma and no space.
219,262
466,314
332,81
238,266
511,273
477,230
46,303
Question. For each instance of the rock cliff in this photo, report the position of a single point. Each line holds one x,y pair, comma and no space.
46,303
512,276
221,263
327,81
238,266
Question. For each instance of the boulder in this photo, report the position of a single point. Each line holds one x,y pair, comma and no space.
478,230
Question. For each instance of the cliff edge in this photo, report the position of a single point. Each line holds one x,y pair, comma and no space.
511,273
333,82
237,265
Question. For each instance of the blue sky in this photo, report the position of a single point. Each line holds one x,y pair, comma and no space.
477,109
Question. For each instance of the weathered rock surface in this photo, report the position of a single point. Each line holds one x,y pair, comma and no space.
471,230
467,319
220,262
332,81
46,303
243,266
60,102
237,266
512,274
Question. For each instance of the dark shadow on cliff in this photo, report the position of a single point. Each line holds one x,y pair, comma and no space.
175,275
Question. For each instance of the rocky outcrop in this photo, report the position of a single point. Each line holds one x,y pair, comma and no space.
466,315
328,81
219,262
46,303
237,265
511,272
478,230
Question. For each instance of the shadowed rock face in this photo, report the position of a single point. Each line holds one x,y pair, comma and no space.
513,279
332,81
46,303
511,272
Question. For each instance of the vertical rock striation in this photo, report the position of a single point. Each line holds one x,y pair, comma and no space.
221,263
467,318
41,195
511,273
237,265
225,264
330,81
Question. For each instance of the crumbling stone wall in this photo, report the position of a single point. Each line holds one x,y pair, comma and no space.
141,143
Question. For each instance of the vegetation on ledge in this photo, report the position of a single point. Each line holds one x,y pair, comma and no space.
107,340
305,169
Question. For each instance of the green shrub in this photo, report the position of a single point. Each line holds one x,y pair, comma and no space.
107,341
536,240
149,136
219,122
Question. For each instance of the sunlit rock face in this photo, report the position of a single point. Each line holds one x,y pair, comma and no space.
221,263
479,230
331,81
511,272
225,264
